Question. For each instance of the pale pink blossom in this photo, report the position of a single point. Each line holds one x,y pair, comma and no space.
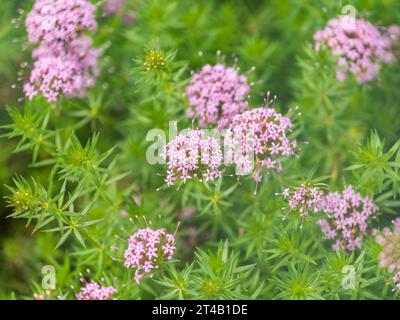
216,94
349,217
360,50
93,291
192,155
147,248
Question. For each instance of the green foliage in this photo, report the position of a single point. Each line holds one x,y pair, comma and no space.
376,169
299,285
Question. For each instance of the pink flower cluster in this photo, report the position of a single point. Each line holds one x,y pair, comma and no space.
396,280
360,49
389,257
93,291
51,21
305,199
393,32
147,249
42,296
262,132
216,94
350,214
38,296
65,60
192,155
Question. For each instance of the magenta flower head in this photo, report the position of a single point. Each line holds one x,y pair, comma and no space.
68,72
350,215
305,199
51,21
147,249
260,133
389,257
65,62
360,49
396,281
192,155
216,94
93,291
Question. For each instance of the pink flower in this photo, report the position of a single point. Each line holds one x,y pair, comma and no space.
124,213
389,256
360,50
192,155
260,132
396,280
93,291
350,214
65,62
147,249
51,21
69,72
43,296
216,94
305,199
